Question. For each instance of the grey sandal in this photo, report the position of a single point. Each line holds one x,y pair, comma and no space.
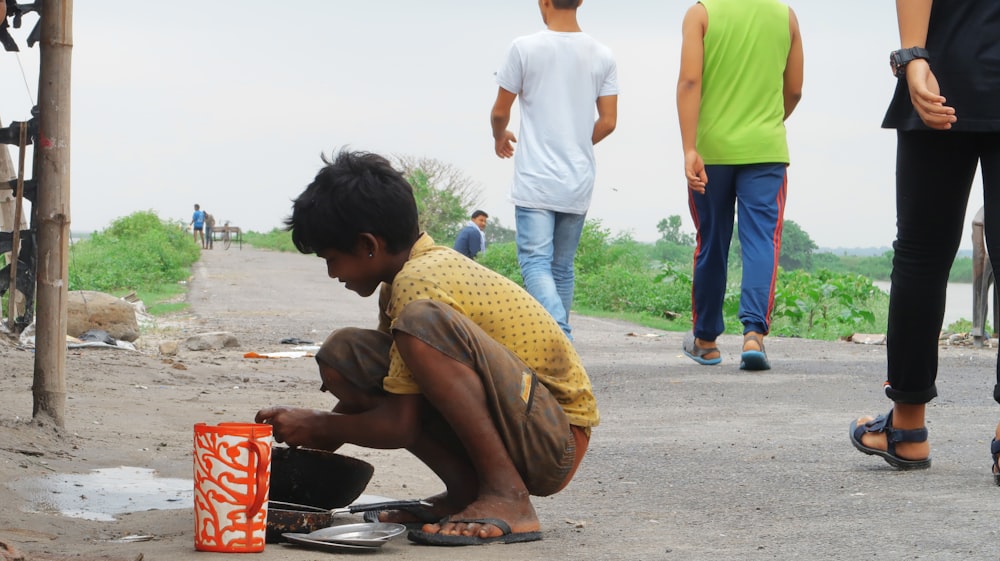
697,354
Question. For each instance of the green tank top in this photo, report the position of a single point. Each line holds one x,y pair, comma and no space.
741,120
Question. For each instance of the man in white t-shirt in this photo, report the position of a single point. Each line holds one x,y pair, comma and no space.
568,88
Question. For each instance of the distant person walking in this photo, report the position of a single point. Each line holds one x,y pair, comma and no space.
209,231
198,225
471,239
560,74
947,123
740,78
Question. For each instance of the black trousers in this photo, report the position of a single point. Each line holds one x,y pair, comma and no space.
934,174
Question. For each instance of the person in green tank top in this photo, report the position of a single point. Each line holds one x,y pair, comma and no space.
740,78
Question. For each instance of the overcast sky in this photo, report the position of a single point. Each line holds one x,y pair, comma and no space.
230,104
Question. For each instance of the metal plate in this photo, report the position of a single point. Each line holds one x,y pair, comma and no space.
371,534
303,540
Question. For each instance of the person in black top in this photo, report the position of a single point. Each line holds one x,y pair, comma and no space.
947,123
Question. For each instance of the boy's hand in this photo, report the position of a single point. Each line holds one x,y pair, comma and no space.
505,144
925,94
694,170
291,425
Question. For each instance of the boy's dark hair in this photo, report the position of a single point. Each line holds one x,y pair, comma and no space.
357,193
478,213
565,4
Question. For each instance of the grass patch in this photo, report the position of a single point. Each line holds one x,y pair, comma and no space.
164,299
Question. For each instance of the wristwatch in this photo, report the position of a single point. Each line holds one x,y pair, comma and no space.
899,59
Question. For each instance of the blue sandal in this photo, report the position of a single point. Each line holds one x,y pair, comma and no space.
754,360
883,423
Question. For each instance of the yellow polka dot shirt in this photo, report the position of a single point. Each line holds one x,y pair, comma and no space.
504,310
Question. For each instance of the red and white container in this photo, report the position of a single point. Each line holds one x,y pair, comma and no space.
232,469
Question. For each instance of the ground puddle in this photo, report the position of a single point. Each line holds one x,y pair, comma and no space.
103,493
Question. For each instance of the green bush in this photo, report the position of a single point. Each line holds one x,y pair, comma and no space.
277,239
875,267
502,258
613,274
618,288
961,270
673,252
136,252
827,305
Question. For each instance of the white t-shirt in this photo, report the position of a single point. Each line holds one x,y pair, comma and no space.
558,77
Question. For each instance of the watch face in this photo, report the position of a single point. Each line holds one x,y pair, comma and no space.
894,64
899,59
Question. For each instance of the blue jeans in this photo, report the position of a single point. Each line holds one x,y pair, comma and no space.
546,246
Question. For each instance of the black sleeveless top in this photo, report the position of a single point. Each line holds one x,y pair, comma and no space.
964,43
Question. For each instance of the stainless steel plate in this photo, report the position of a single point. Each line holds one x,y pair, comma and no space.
304,540
369,533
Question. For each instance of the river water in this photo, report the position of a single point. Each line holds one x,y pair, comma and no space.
958,304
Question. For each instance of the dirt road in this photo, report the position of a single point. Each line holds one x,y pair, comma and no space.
690,462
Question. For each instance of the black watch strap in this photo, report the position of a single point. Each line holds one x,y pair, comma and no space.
899,59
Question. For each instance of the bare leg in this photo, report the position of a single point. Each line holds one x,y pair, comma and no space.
449,462
456,392
446,459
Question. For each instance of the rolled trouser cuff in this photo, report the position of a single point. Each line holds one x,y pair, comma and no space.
911,397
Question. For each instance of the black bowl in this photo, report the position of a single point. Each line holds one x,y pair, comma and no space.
318,479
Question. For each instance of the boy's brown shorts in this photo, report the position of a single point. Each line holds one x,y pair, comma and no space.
531,423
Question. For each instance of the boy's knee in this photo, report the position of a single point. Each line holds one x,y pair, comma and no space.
360,356
337,348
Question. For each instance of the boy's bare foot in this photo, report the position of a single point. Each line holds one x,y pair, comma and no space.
520,515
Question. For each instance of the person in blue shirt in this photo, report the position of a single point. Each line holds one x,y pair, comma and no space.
198,223
472,239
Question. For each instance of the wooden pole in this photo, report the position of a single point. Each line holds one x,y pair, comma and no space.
52,168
